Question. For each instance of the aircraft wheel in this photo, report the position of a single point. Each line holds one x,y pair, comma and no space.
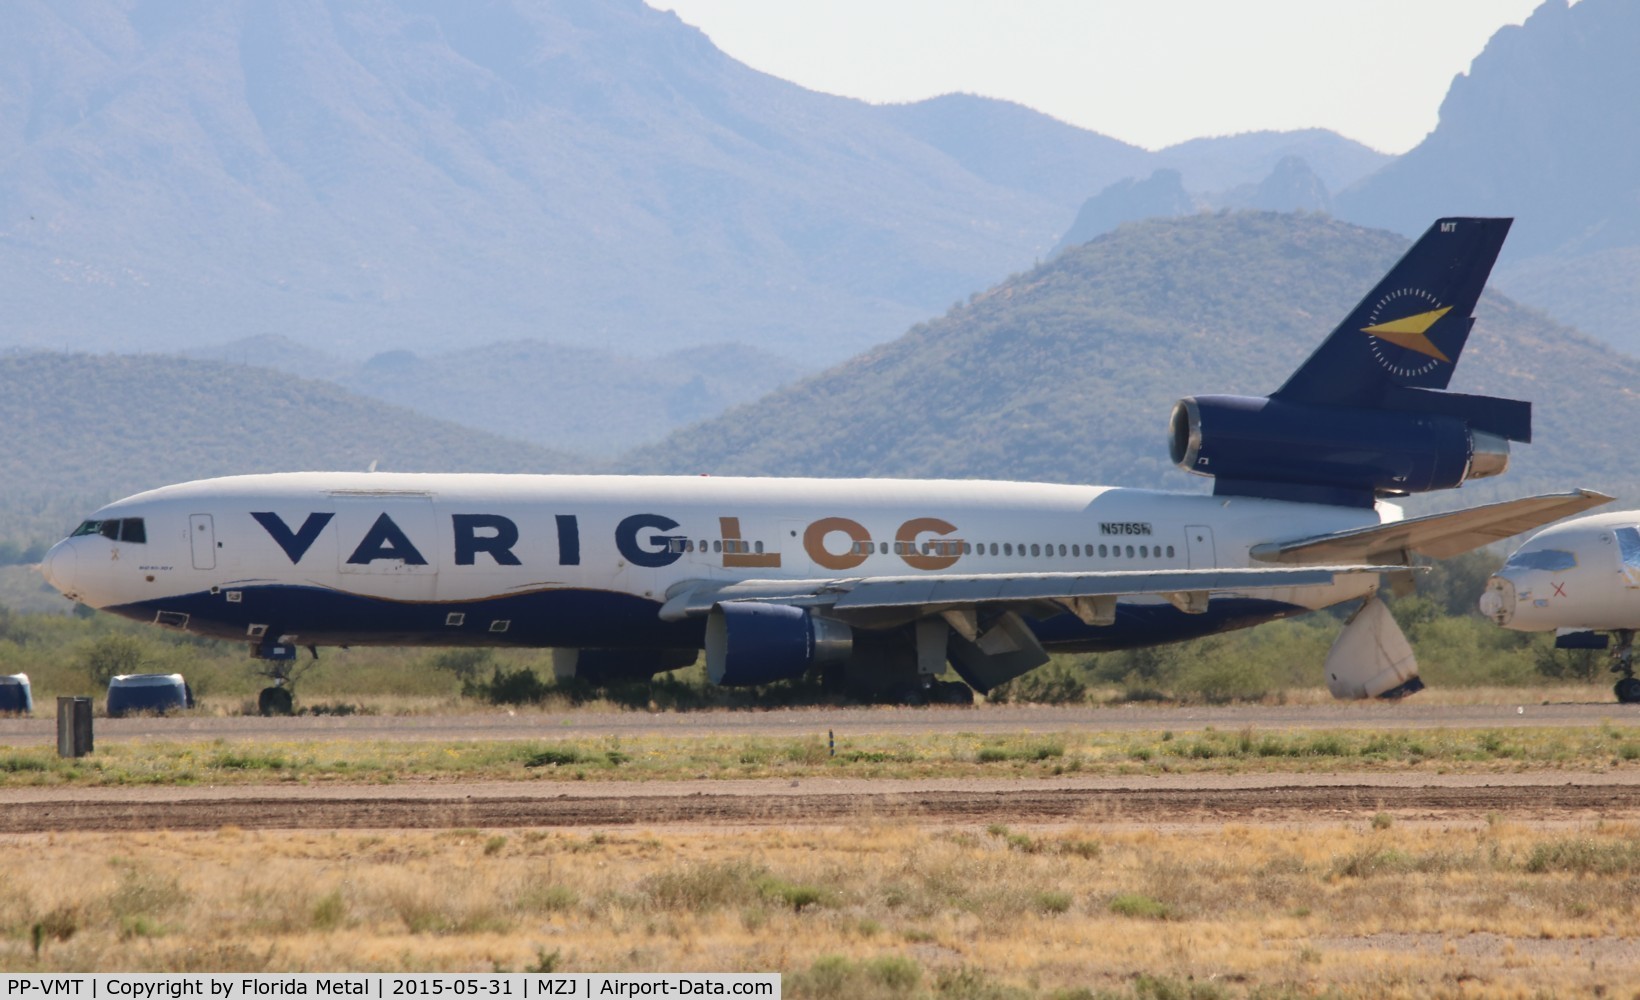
910,694
274,701
1628,690
953,693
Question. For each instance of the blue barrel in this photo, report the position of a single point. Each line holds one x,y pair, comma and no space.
157,693
15,694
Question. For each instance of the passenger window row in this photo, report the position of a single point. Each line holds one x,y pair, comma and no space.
1077,551
733,546
939,548
1036,549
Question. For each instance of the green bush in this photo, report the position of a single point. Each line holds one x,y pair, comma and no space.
508,687
466,664
111,656
835,977
1138,905
1583,856
555,757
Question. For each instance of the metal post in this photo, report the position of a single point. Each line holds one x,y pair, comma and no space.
73,726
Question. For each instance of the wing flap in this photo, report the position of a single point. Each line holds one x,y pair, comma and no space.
1439,536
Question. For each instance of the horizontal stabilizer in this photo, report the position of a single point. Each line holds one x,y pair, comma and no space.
1438,536
953,591
1507,418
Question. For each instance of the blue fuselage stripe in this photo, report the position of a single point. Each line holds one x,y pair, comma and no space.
575,618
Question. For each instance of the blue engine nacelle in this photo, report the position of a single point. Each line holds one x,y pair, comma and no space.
757,643
1258,446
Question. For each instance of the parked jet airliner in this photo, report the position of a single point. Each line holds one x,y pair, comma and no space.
876,583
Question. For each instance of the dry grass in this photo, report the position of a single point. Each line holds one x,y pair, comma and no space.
893,910
1545,692
936,755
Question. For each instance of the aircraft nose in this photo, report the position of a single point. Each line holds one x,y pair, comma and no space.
1498,600
59,567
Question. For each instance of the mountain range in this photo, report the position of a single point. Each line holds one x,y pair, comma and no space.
363,176
577,226
84,429
601,402
1543,128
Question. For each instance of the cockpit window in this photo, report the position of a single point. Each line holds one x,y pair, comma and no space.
1546,559
1628,544
119,529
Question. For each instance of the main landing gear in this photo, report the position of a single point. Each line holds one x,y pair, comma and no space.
1627,687
933,692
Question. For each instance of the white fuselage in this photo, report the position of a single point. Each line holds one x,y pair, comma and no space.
1581,575
338,558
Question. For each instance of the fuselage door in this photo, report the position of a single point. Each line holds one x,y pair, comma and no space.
202,536
1198,544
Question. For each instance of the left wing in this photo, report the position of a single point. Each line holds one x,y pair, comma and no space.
1089,596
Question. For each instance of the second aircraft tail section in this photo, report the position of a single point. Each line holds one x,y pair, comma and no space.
1367,414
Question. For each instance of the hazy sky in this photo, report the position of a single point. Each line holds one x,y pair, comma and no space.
1151,72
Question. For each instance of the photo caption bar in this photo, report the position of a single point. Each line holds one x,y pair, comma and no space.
390,986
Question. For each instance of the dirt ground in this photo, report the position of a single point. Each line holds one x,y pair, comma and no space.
1539,798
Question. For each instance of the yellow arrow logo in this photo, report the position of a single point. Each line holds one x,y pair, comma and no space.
1411,332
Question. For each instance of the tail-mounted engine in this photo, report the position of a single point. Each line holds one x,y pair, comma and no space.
1261,446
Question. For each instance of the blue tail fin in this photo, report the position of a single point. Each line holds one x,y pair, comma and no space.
1410,330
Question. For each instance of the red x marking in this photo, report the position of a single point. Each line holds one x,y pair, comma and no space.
1560,589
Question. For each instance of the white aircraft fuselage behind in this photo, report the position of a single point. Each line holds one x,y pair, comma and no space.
590,561
1581,580
1579,575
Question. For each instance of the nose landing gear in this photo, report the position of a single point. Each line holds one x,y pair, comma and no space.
1627,687
278,664
275,700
